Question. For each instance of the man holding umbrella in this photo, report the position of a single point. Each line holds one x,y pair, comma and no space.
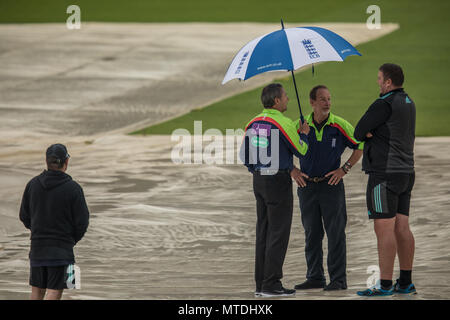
267,151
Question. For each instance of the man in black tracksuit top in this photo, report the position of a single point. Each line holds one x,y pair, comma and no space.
388,129
54,209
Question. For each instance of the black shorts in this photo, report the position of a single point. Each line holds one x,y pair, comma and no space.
54,278
388,194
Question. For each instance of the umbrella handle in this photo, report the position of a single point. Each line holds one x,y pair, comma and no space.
298,99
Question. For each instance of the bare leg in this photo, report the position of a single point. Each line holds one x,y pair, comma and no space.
54,294
405,242
37,293
387,246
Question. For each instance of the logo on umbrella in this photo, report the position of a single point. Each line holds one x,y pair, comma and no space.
278,64
244,57
310,49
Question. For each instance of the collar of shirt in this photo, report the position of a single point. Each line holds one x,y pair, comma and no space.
321,124
383,95
271,111
319,133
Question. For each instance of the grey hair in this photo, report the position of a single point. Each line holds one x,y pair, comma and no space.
269,93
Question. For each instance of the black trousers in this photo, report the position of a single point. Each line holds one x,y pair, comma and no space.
323,205
274,205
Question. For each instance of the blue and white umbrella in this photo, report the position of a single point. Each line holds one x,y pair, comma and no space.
289,50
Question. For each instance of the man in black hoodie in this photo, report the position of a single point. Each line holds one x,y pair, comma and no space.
54,209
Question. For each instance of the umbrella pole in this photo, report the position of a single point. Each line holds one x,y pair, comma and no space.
298,99
295,85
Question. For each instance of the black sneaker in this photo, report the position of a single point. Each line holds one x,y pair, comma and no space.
283,292
335,285
310,284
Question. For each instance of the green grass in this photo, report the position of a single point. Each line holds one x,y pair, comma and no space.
420,46
184,10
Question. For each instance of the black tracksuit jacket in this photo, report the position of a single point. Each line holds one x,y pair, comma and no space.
392,121
54,209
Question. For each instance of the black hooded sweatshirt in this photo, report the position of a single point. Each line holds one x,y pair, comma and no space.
54,209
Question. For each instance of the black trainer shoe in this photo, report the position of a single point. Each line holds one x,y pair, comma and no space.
310,284
283,292
335,285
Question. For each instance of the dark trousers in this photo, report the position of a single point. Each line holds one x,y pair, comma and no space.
323,205
274,205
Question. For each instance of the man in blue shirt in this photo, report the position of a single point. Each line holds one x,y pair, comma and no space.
321,191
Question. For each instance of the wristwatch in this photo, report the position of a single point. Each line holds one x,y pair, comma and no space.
346,167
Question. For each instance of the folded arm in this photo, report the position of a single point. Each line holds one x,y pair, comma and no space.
377,114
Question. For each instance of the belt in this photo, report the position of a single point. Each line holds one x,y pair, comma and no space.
317,179
264,171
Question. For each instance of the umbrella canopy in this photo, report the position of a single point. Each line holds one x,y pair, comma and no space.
288,49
